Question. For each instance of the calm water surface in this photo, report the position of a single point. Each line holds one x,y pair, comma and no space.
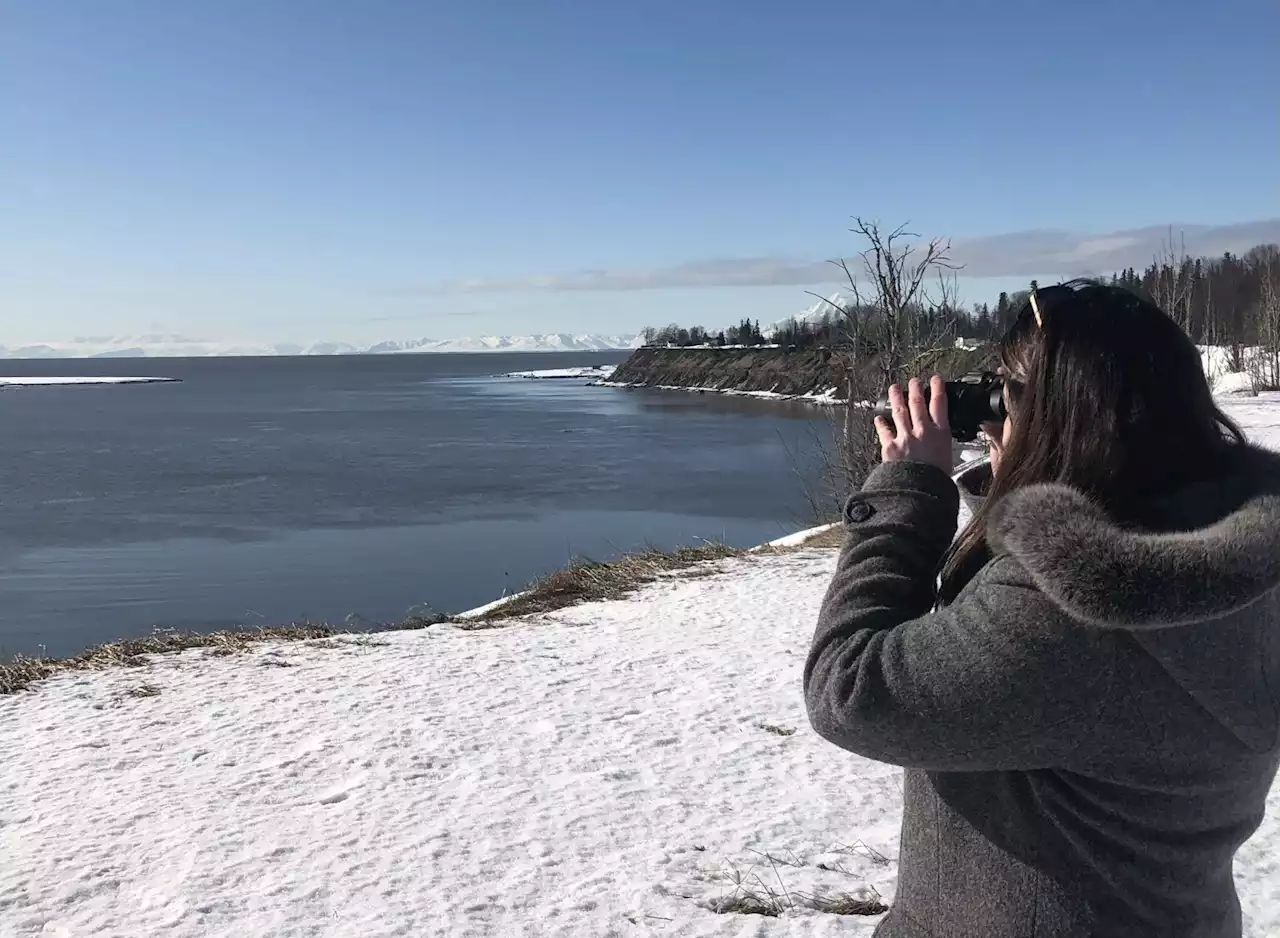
268,490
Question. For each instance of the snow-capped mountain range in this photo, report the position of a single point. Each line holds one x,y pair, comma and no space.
814,313
165,345
156,345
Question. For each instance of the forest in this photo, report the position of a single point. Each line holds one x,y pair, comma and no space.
1231,301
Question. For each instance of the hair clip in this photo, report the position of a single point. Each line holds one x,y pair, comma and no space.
1035,309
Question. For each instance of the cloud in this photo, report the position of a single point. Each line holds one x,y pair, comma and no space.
718,272
418,314
1070,254
1036,253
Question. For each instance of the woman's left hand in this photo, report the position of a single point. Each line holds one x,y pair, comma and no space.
920,431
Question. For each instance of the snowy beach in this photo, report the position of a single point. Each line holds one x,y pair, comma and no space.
612,769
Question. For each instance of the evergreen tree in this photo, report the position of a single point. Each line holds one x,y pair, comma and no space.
1004,313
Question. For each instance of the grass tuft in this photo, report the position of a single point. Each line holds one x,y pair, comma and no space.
752,895
748,903
864,849
21,672
587,580
776,730
144,690
846,904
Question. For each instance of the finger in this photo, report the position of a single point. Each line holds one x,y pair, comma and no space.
898,407
884,432
938,401
919,406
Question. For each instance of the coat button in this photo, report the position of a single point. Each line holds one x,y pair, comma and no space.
858,511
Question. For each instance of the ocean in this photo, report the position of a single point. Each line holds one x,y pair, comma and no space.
358,490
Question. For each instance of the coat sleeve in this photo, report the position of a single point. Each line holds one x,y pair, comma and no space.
1000,679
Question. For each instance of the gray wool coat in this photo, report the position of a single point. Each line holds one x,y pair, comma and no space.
1090,729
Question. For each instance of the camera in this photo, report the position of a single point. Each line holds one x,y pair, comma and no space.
972,400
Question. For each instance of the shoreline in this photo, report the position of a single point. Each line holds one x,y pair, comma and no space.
826,398
21,672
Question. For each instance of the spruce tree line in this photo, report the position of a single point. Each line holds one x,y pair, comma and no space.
1231,301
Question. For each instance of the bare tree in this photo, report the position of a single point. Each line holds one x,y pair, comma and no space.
1264,362
1174,289
898,301
898,313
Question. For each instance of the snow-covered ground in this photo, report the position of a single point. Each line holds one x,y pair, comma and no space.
799,538
591,371
45,382
612,769
1218,367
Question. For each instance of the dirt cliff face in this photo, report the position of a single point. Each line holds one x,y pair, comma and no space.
782,371
750,369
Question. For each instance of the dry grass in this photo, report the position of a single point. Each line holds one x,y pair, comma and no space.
776,730
846,904
833,538
582,581
21,672
586,581
749,903
753,895
864,849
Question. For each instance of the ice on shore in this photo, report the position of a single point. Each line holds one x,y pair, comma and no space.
591,371
58,381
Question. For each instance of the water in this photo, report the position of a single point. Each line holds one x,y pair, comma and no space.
270,490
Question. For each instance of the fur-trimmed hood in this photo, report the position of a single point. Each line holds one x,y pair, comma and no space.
1209,560
1214,552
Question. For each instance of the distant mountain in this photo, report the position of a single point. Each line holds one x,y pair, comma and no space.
551,342
156,345
813,313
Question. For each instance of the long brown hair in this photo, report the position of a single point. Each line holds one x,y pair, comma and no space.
1107,394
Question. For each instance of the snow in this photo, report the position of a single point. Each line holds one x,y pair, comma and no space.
831,306
800,537
826,397
488,607
593,371
44,382
1218,368
552,342
595,766
605,770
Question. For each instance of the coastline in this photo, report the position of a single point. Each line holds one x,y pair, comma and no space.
22,673
826,398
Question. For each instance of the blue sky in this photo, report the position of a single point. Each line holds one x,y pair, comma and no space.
303,169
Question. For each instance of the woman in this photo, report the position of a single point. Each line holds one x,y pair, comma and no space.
1084,687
